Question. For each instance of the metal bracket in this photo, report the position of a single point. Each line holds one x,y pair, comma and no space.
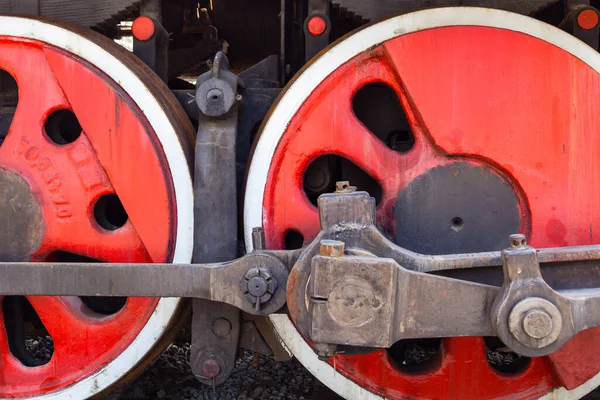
154,51
215,208
581,21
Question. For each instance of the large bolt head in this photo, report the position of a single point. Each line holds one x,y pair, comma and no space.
535,322
258,285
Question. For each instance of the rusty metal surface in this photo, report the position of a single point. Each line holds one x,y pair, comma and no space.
373,302
528,315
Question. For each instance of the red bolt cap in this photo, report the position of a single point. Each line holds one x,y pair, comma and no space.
143,28
587,19
210,368
316,25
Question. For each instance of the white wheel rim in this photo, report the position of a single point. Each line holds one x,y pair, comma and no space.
297,93
161,317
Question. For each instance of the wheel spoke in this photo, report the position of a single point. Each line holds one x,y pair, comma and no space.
74,328
28,121
80,234
69,181
572,371
138,175
299,216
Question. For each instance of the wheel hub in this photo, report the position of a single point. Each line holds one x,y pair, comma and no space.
20,218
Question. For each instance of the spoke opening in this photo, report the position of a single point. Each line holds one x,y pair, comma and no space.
62,127
109,212
9,98
378,107
293,239
322,174
502,359
416,356
28,339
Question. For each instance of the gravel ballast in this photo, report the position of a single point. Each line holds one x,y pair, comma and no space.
254,377
260,378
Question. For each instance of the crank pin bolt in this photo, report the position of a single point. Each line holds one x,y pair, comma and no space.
325,350
258,286
535,322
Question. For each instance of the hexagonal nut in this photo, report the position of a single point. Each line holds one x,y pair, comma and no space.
252,272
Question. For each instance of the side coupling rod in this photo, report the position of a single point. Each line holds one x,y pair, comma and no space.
352,287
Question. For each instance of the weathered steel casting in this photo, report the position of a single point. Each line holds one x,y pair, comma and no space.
213,351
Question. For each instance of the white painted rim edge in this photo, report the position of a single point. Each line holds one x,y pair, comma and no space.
117,71
303,86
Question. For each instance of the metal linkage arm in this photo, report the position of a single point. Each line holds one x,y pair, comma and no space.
374,302
256,279
528,315
354,287
368,301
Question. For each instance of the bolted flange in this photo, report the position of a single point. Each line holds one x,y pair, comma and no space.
535,322
258,286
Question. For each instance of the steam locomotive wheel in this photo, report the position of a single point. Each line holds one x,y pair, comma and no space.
94,167
500,135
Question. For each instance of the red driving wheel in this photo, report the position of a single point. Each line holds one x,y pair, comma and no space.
497,134
92,179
